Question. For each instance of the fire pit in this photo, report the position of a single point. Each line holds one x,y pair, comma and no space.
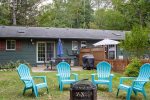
83,90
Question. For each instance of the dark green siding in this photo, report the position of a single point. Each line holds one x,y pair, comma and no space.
26,52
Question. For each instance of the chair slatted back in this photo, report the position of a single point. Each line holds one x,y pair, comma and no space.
63,69
23,71
103,70
144,74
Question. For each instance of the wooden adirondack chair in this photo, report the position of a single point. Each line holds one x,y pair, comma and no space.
138,83
103,74
64,74
24,74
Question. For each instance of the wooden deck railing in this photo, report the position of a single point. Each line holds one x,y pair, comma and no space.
99,55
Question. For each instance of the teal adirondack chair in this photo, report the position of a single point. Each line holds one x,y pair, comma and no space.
138,82
63,69
24,74
103,74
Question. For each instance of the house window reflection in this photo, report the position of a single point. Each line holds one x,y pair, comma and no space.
112,52
83,44
75,45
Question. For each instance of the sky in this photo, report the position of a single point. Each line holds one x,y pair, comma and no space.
46,2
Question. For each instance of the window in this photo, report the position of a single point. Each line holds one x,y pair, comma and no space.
45,51
83,44
112,51
74,45
10,44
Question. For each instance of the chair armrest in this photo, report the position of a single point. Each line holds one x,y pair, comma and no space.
42,77
93,77
26,79
57,75
126,78
76,76
140,80
111,75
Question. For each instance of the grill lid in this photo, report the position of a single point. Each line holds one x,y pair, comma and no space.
84,84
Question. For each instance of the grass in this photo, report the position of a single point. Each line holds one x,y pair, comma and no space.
11,88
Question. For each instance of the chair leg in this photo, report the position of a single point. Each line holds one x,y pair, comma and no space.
47,90
35,91
144,94
110,87
32,90
61,87
117,92
135,92
128,94
24,90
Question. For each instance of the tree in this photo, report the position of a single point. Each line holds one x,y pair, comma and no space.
135,11
4,13
67,13
109,19
80,13
137,41
26,12
54,15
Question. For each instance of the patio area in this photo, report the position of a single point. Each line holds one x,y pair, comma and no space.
45,69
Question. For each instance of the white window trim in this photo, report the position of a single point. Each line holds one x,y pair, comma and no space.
82,42
114,51
73,45
37,50
11,49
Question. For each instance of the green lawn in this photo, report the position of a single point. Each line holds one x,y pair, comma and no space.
11,88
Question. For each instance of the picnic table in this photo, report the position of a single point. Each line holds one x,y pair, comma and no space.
54,61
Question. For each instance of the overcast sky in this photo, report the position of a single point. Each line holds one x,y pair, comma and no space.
47,1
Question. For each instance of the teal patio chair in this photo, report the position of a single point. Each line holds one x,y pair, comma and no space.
103,75
138,82
63,69
24,74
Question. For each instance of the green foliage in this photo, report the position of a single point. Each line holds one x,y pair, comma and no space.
134,11
74,14
136,41
27,11
133,68
4,13
109,19
12,65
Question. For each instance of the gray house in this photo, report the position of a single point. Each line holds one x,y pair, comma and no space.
39,44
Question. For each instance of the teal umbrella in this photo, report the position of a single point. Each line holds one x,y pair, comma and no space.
59,48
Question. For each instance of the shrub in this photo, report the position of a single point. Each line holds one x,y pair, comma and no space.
12,65
133,68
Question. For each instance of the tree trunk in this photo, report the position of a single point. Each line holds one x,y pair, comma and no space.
14,12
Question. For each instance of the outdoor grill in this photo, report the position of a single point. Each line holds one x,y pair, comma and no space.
88,61
83,90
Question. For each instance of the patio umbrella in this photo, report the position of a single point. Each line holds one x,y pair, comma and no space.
106,42
60,48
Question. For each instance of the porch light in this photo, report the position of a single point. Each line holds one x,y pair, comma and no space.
32,41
